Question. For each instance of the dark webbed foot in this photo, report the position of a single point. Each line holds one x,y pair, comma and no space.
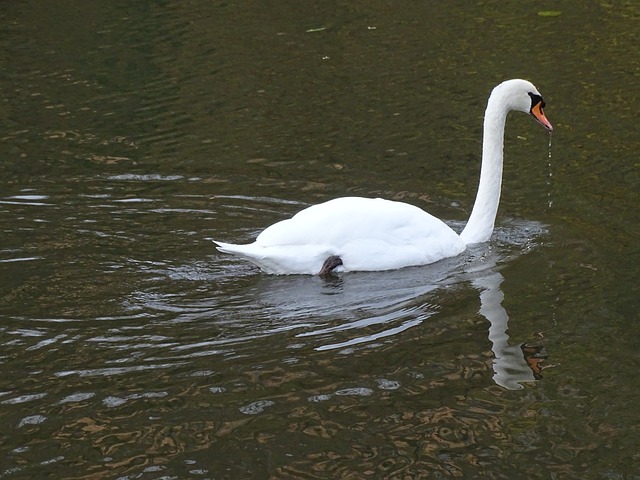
329,264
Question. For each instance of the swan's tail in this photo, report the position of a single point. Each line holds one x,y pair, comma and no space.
247,252
279,259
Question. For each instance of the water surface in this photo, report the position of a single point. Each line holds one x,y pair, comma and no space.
133,134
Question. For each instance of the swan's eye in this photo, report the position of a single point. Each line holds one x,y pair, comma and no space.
536,99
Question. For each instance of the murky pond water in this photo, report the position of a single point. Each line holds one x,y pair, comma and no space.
135,132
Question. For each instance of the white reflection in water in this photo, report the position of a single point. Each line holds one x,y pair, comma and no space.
32,420
256,407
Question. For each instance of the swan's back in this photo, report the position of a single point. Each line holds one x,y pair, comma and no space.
348,219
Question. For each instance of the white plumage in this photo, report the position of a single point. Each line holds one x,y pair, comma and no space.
374,234
367,234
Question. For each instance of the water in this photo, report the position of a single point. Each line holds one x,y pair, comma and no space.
133,134
550,179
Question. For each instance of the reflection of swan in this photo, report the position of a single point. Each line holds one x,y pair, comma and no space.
509,365
362,309
353,233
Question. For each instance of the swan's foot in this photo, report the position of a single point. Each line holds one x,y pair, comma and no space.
329,264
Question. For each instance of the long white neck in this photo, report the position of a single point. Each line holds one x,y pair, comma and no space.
480,224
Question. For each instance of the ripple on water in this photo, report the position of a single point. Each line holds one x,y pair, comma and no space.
23,399
354,392
257,407
77,397
113,401
385,384
32,420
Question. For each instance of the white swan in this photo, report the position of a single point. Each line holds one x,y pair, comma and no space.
353,233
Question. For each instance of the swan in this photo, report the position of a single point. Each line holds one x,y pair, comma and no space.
371,234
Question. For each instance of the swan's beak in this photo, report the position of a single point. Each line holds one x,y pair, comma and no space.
538,114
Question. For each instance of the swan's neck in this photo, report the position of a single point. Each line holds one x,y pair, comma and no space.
480,224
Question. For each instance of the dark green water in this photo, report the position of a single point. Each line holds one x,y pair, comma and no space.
132,133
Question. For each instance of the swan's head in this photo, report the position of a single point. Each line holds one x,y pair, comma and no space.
522,95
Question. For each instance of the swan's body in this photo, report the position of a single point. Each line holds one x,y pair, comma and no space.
364,234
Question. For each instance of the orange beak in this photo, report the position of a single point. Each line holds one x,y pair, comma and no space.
538,114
